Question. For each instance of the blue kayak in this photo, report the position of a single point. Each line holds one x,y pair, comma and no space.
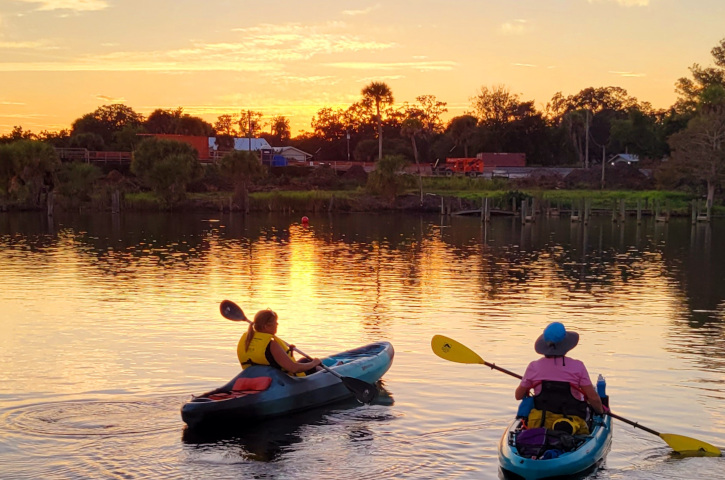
260,392
587,456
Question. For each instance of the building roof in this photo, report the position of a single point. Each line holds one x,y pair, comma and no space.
624,157
285,151
243,144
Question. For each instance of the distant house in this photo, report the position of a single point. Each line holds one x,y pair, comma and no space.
292,153
627,158
249,144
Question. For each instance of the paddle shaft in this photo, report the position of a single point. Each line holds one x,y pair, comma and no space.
310,358
634,424
493,366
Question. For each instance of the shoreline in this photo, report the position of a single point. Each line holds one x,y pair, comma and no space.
617,203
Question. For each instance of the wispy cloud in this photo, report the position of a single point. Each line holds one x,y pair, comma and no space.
32,45
379,78
74,5
528,65
109,100
422,66
5,102
363,11
263,48
625,3
514,27
627,74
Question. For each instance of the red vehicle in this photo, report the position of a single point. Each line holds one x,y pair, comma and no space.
471,167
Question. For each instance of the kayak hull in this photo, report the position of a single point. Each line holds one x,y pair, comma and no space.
586,458
287,394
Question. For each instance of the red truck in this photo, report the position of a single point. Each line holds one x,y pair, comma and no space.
471,167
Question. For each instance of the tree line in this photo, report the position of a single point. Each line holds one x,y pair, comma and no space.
575,130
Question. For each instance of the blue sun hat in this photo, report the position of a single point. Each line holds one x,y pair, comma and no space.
556,341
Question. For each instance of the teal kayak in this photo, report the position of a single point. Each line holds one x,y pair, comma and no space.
587,456
260,392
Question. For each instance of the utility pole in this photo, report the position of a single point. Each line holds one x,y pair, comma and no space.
249,131
347,134
586,143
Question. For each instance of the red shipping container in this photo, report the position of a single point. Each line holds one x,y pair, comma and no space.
503,159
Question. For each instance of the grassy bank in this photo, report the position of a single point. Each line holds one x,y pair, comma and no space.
676,203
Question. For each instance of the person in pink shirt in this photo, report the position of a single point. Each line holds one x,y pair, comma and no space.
555,367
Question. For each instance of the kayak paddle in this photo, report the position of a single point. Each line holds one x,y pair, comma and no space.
453,351
364,392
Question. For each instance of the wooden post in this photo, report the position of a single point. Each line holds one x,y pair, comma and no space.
622,210
50,203
575,216
523,211
694,211
443,208
332,202
115,201
639,211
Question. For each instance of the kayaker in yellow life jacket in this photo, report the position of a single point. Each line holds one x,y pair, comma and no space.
562,387
259,346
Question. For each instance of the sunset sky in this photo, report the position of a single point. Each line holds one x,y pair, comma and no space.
61,59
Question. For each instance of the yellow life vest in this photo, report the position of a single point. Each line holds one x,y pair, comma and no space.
256,353
579,425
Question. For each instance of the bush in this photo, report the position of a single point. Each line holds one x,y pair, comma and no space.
167,167
77,180
387,179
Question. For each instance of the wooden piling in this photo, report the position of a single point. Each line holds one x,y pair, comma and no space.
50,203
116,201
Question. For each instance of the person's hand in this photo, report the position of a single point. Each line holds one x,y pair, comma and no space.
290,348
605,409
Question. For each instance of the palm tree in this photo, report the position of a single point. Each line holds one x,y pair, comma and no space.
280,127
242,167
463,131
380,94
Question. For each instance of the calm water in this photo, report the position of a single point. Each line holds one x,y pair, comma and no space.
108,324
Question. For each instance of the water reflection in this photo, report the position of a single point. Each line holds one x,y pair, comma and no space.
102,313
395,256
267,442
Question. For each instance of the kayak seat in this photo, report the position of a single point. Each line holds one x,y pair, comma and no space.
242,387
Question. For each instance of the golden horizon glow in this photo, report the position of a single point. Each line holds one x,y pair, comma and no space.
61,59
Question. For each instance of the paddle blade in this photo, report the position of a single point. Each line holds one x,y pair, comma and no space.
364,392
689,446
232,311
449,349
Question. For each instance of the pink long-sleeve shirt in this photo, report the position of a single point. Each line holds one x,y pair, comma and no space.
561,369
